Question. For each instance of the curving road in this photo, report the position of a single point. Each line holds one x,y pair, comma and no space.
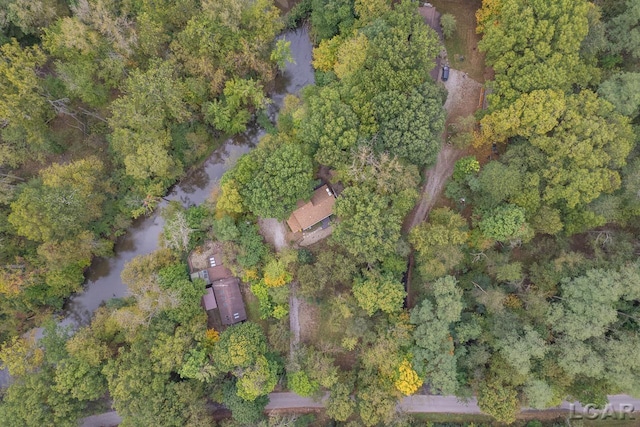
412,404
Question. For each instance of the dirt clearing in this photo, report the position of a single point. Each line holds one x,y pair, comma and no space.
274,232
463,97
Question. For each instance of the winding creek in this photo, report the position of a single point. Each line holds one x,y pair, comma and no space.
103,277
103,280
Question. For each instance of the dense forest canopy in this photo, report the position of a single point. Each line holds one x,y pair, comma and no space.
524,285
104,105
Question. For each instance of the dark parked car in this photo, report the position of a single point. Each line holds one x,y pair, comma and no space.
445,73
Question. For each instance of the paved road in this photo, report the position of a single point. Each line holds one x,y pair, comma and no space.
411,404
292,401
108,419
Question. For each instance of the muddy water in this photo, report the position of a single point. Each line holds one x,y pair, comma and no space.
103,278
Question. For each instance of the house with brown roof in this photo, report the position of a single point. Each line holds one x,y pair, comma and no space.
222,288
307,215
229,298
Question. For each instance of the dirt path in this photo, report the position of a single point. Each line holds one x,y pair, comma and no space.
462,100
436,178
294,318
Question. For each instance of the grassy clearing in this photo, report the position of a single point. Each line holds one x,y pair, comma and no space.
252,306
465,40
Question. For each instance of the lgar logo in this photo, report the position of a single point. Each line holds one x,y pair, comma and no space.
622,411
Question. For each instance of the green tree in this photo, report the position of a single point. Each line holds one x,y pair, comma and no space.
448,24
410,126
328,17
143,391
331,127
383,174
83,61
299,383
272,181
375,403
588,305
243,411
433,348
281,54
370,224
239,347
257,380
140,120
332,270
533,113
584,151
368,10
231,114
539,394
439,242
520,347
240,30
534,46
341,404
32,17
253,250
465,167
400,53
379,292
498,400
506,222
80,380
32,402
64,203
623,32
623,91
24,108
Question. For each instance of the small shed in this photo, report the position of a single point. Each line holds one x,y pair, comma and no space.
309,214
229,298
209,300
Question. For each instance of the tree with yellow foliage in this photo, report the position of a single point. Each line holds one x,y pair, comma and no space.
408,381
229,202
275,273
326,54
21,355
368,10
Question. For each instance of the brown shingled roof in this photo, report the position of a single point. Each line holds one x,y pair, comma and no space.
319,208
230,303
215,268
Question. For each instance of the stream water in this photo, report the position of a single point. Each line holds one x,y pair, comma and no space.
103,277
